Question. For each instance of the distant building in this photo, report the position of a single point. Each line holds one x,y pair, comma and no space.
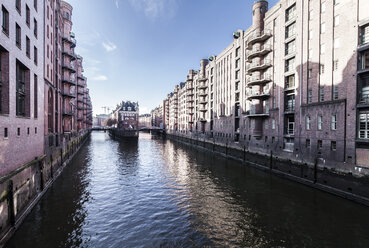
144,120
100,120
126,116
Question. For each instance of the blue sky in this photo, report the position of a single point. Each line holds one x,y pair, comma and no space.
139,49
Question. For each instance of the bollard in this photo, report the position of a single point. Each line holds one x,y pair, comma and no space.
11,203
316,170
41,176
51,167
271,160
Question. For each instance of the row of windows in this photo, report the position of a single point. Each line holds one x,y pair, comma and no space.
18,132
18,35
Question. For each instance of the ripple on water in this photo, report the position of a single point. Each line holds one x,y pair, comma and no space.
155,193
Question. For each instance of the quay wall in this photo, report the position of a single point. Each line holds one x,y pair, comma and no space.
350,185
22,188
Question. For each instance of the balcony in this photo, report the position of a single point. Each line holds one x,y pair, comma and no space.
261,51
258,95
68,112
202,78
69,93
71,81
258,37
69,67
80,92
203,93
290,108
70,54
82,77
254,114
190,99
262,65
259,80
203,109
202,85
203,101
72,41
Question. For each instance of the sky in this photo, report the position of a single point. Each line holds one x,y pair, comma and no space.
138,50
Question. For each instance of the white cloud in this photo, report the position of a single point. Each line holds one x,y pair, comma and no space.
156,8
99,78
109,46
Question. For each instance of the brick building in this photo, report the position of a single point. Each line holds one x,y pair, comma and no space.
295,83
21,86
39,75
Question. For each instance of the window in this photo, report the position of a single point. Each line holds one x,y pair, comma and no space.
35,27
290,103
320,122
273,123
35,55
336,20
321,69
290,65
364,35
35,130
320,144
333,122
18,34
35,4
28,16
5,21
27,130
290,12
308,144
237,63
238,51
364,60
5,133
364,89
290,82
321,94
310,96
364,126
335,92
18,132
307,122
337,43
322,28
322,7
35,96
290,30
22,88
18,5
310,73
28,47
333,145
290,47
335,65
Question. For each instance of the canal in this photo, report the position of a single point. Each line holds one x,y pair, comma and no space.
158,193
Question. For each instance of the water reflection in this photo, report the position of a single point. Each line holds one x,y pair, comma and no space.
156,193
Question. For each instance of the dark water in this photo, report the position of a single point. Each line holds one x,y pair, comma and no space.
156,193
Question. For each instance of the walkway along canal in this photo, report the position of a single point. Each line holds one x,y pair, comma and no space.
159,193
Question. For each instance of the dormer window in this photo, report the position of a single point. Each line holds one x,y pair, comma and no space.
129,108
